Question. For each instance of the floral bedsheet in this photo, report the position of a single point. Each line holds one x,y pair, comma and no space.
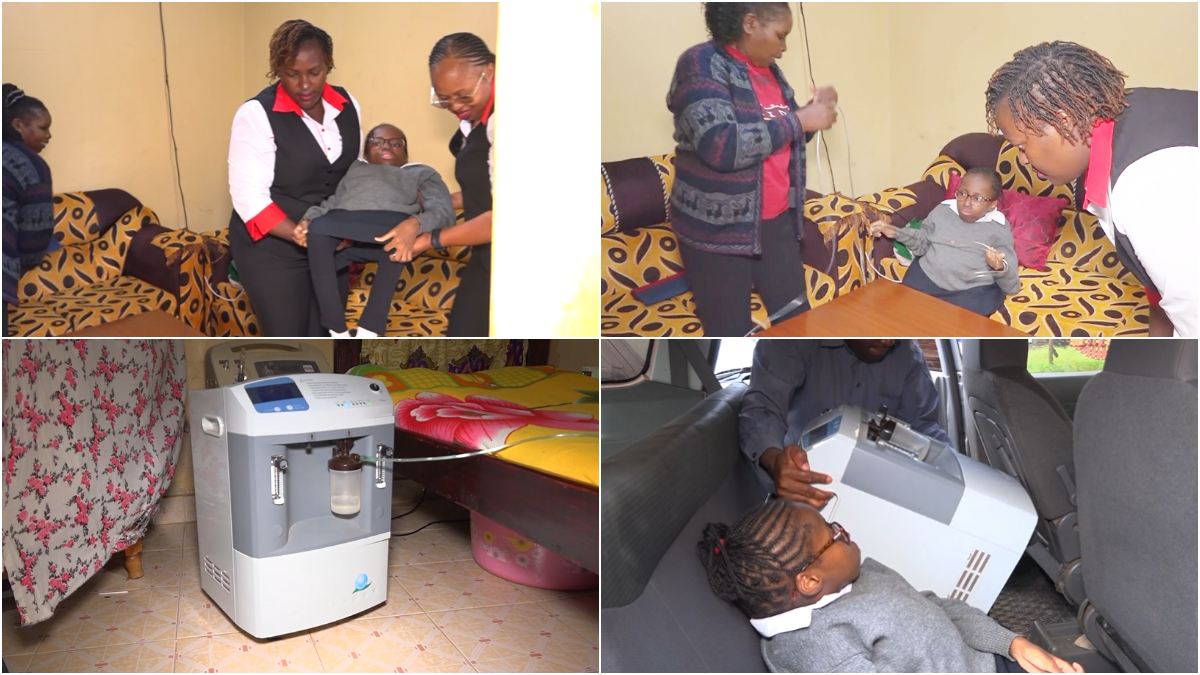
92,431
490,408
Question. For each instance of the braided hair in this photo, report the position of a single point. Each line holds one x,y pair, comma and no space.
754,563
19,105
724,19
287,40
1053,77
466,46
990,175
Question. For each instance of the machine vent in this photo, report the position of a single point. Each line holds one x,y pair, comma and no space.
219,575
970,575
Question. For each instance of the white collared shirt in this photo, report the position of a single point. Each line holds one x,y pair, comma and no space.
993,215
252,152
794,619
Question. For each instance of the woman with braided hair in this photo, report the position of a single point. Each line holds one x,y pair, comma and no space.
462,71
1066,109
739,166
290,147
820,608
28,190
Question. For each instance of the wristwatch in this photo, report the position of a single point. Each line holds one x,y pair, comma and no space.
435,240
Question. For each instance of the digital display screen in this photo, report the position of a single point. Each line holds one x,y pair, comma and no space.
822,432
273,392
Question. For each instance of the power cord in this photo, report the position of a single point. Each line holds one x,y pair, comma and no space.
434,522
170,114
820,135
423,490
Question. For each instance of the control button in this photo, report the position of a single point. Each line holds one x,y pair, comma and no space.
276,408
374,386
289,407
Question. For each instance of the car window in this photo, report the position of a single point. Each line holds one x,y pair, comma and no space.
734,355
1062,355
623,360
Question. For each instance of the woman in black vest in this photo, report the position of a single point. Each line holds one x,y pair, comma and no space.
290,146
463,73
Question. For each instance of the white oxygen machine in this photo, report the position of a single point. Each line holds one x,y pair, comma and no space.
945,522
293,526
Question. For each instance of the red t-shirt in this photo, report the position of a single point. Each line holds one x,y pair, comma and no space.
776,176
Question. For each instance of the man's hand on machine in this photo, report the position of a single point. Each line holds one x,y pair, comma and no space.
1034,659
789,469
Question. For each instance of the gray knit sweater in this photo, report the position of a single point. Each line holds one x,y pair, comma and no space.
883,625
950,257
415,189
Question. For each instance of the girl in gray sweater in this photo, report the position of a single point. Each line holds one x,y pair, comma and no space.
963,253
822,609
384,199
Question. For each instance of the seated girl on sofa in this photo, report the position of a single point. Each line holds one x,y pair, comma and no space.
820,608
963,248
381,200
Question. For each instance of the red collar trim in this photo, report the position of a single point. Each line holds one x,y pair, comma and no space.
1095,185
285,103
491,105
737,54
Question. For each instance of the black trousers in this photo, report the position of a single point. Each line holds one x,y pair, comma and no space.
985,300
324,233
472,299
721,283
275,275
1003,665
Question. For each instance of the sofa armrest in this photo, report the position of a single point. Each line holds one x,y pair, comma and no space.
1082,244
188,267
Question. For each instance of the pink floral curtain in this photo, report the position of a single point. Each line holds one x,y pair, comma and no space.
92,432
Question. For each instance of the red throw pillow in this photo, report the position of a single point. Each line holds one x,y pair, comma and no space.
1034,222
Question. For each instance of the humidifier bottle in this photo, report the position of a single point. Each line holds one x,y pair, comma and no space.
345,483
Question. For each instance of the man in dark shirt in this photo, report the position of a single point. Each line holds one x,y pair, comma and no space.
794,381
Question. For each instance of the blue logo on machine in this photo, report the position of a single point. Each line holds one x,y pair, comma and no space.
361,583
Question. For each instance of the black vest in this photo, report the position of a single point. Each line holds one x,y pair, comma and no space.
303,175
1156,119
471,170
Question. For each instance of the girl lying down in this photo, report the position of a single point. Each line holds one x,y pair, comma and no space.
820,608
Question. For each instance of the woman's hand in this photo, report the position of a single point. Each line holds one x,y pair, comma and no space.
816,116
300,234
880,227
1034,659
826,95
995,259
400,240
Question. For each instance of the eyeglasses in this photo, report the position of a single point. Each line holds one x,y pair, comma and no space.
445,103
978,199
393,143
839,534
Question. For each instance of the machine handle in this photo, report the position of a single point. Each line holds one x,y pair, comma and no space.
212,425
246,345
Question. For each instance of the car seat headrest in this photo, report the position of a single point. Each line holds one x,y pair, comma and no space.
1163,359
993,354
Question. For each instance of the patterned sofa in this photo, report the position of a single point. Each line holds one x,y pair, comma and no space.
420,306
116,261
1085,293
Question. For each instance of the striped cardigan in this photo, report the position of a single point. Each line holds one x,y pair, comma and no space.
722,141
28,213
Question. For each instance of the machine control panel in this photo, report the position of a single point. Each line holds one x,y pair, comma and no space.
277,395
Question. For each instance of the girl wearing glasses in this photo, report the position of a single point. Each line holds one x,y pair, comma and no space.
384,199
962,251
462,71
289,148
820,608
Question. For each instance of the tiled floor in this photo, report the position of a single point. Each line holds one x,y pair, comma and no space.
444,613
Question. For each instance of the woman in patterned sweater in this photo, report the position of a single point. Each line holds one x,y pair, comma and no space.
28,195
739,164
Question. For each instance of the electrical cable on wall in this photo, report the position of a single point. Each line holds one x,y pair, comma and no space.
170,115
820,135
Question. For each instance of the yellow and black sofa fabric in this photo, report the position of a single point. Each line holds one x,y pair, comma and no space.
1085,292
420,305
116,260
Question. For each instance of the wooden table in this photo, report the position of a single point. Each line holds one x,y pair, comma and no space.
155,323
890,310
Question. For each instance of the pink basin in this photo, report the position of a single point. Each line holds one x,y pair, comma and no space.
510,556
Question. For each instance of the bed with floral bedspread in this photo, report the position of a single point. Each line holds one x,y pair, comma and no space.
92,432
547,489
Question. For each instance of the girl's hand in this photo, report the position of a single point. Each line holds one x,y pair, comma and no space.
399,241
995,259
816,116
300,234
423,243
826,95
880,227
456,200
1034,659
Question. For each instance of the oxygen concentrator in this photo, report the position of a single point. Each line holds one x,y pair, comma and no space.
293,528
942,520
